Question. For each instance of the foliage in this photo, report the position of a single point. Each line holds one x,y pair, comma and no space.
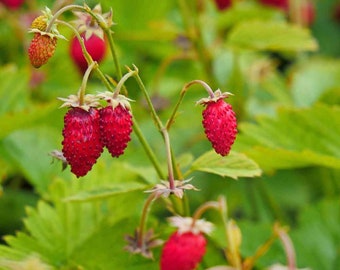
283,168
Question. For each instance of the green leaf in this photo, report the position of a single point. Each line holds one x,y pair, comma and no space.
105,192
319,231
274,36
313,79
234,165
25,118
295,138
28,149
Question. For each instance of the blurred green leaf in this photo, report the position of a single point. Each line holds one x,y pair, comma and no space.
25,118
234,165
273,36
295,138
13,89
28,150
105,192
319,231
314,78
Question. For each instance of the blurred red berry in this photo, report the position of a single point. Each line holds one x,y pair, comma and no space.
82,145
223,4
307,13
95,46
183,251
12,4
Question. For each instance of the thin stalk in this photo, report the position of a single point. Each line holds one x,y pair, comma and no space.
149,152
181,97
109,33
149,102
82,89
171,178
203,208
287,245
123,80
145,210
88,57
61,11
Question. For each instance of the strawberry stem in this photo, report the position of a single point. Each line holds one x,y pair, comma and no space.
61,11
146,207
87,56
147,149
81,93
124,79
181,97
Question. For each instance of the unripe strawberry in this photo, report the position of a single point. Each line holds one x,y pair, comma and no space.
12,4
219,122
115,128
223,4
39,23
183,251
95,46
41,49
82,144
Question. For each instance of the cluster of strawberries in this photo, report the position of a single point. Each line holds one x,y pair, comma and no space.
87,130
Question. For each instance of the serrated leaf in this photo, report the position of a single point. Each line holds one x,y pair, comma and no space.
105,192
234,165
270,35
295,138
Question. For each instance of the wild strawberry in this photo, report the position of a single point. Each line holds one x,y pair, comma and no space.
95,46
186,247
92,35
219,122
41,49
223,4
115,128
12,4
81,145
183,251
43,44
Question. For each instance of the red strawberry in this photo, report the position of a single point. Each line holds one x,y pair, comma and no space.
223,4
12,4
183,251
95,46
219,123
115,128
81,145
41,49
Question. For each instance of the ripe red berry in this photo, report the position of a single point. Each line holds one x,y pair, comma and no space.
183,251
41,49
95,46
223,4
219,124
12,4
82,144
115,128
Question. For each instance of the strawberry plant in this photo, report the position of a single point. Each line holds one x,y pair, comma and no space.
125,126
